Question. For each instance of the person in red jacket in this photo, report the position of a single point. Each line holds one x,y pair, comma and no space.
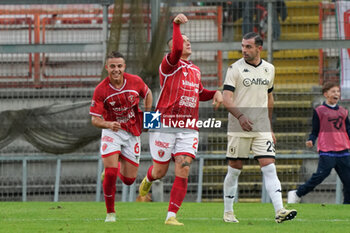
181,91
330,124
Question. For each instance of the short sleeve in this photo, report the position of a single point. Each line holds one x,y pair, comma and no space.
142,88
231,76
97,105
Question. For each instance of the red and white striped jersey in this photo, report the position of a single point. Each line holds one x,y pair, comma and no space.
180,89
121,105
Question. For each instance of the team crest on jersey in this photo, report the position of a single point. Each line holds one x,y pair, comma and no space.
185,73
161,153
112,103
131,98
266,70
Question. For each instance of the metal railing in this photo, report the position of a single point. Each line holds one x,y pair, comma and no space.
129,192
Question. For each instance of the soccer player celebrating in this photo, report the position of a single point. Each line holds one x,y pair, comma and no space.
114,108
248,97
331,125
181,91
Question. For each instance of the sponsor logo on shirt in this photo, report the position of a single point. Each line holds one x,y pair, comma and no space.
191,84
125,118
188,101
255,81
121,109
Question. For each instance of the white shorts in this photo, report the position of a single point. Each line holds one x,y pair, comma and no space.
121,142
261,146
165,145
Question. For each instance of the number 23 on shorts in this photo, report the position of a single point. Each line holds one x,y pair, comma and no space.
270,146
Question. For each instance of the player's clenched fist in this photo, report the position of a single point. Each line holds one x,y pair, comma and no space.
180,19
113,125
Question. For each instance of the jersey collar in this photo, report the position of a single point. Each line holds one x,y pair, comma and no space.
117,89
189,63
253,64
336,107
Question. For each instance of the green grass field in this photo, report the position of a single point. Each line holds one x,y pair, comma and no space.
149,218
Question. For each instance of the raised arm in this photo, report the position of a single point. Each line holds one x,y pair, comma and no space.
175,45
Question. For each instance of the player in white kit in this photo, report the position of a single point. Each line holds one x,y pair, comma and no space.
248,97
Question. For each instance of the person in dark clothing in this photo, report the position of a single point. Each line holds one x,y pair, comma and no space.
259,25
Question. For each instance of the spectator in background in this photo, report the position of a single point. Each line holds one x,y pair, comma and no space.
259,9
232,11
330,124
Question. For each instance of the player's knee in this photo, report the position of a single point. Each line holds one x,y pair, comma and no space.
185,170
111,172
237,164
158,174
127,180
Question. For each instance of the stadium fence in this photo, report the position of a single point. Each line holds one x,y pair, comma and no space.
52,55
78,178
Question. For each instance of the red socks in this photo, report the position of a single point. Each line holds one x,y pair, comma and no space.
109,187
126,180
149,174
177,194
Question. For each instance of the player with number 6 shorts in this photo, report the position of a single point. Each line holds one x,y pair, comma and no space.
115,109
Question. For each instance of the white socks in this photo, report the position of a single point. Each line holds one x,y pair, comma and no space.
230,187
273,185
